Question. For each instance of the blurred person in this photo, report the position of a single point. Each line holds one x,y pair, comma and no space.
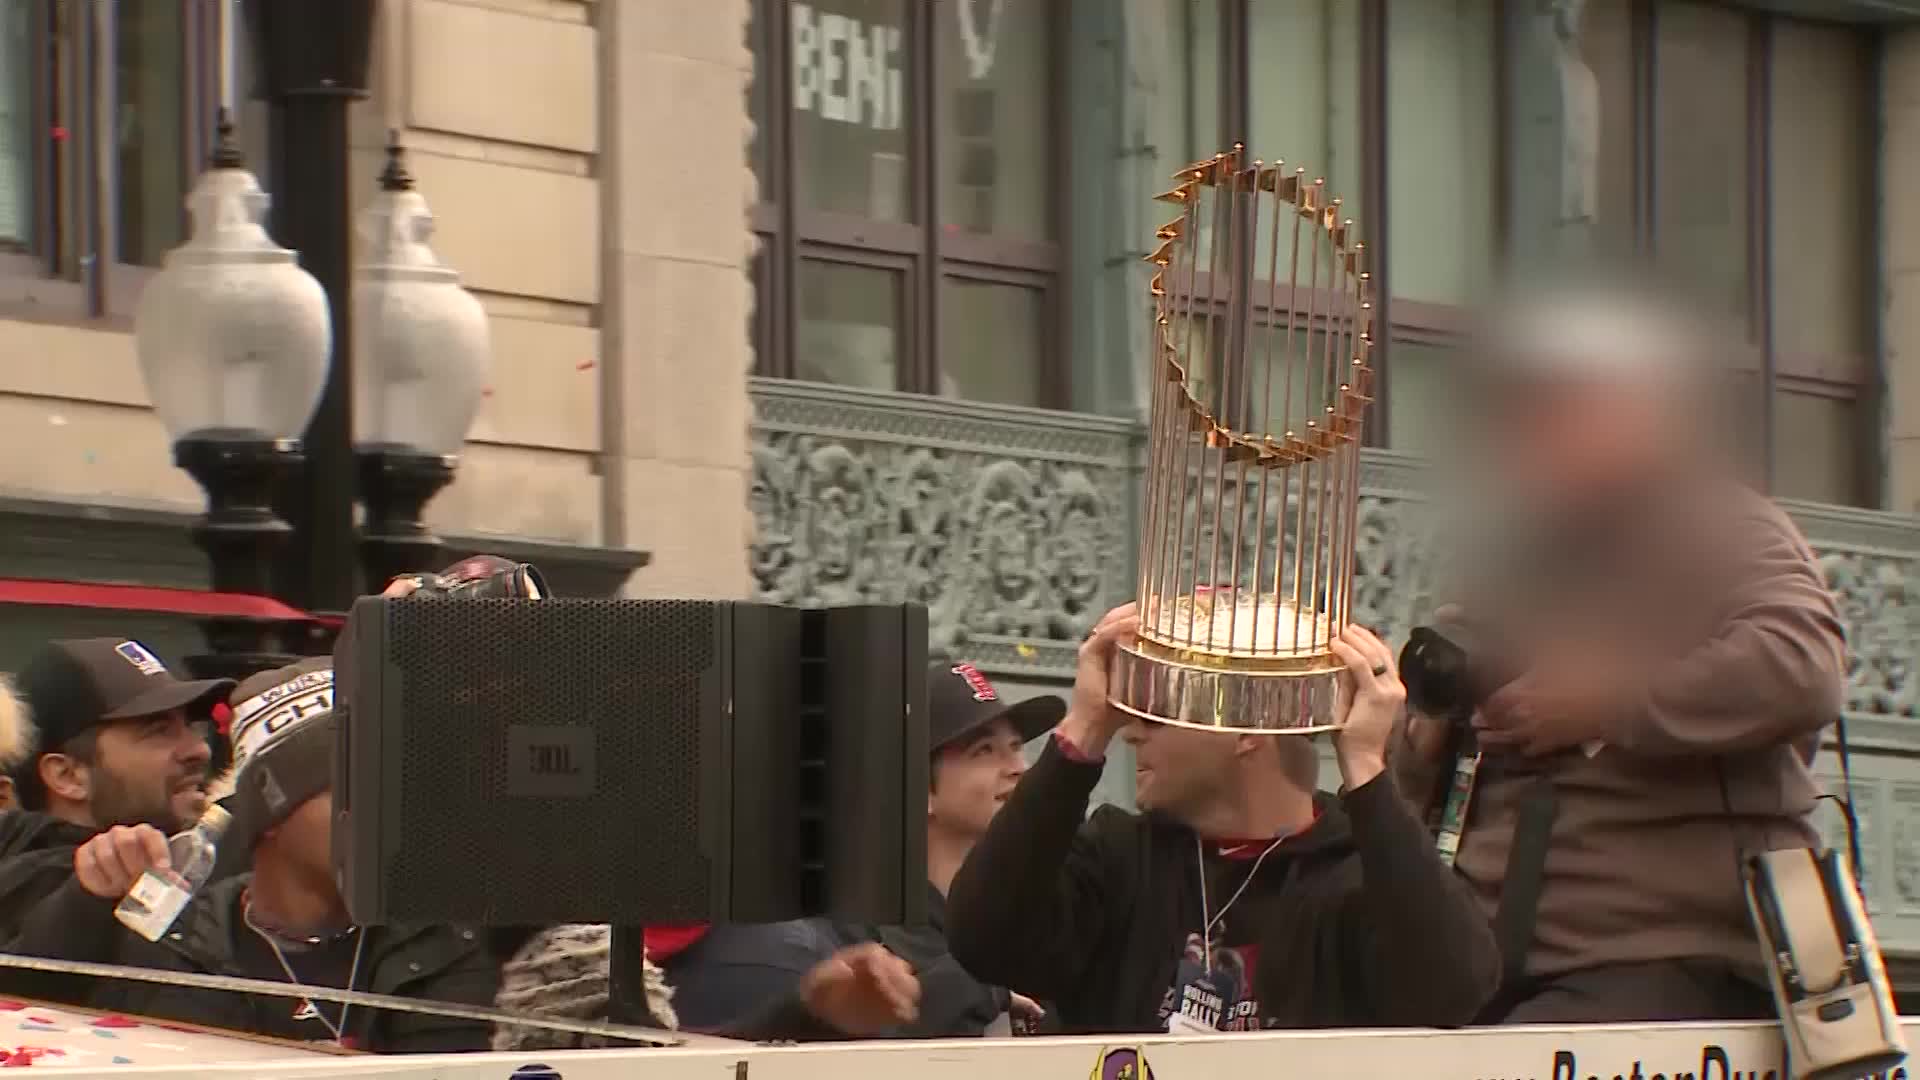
1684,657
719,974
1336,908
100,734
17,744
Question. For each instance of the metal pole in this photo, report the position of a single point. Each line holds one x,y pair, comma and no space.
316,59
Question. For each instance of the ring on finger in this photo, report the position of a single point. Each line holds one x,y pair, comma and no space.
1379,670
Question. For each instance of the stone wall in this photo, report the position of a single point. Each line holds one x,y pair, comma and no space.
613,272
675,252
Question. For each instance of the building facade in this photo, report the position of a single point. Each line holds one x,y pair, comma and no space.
843,299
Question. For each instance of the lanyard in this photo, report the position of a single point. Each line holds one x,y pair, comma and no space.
338,1031
1207,921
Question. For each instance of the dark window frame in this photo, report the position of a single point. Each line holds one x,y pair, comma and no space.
790,234
934,254
70,270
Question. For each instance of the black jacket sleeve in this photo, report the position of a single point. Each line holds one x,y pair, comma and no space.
472,979
69,924
1417,938
28,882
1033,901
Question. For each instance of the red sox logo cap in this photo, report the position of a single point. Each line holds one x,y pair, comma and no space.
982,689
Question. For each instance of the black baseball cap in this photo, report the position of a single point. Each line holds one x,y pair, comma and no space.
960,701
72,686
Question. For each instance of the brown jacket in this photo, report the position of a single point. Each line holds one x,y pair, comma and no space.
1744,666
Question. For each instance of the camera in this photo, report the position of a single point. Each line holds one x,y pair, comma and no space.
1449,670
484,577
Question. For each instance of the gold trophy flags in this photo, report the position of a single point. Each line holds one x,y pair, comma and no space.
1263,317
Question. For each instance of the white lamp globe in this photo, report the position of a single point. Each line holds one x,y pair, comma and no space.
233,337
422,346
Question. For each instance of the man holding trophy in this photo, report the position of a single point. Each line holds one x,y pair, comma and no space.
1242,898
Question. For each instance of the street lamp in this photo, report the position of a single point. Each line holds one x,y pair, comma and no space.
233,337
423,349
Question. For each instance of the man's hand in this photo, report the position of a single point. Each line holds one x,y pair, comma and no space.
862,990
1574,700
1092,721
404,585
109,864
1371,697
1025,1008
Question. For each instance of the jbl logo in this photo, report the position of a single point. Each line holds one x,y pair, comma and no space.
550,761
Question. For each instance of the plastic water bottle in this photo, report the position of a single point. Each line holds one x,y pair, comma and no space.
157,899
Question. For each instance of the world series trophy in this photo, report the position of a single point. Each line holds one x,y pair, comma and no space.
1263,329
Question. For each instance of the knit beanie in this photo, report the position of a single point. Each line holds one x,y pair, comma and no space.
562,973
283,737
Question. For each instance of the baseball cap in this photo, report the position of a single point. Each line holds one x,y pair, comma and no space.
72,686
960,701
283,737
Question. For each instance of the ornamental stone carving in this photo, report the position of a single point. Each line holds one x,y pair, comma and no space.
1014,533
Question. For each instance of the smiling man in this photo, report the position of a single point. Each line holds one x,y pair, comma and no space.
117,740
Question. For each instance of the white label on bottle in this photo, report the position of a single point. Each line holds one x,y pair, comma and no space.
162,901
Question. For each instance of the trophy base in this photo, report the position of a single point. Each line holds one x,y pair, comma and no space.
1298,698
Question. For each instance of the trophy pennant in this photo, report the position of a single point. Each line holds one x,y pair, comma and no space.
1263,332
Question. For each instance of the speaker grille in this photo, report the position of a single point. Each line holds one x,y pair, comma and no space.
638,673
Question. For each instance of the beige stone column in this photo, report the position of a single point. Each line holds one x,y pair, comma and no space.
1900,177
675,258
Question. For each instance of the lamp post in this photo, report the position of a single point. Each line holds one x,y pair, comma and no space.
232,337
423,347
315,58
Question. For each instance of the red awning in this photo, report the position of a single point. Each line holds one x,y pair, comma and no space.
190,603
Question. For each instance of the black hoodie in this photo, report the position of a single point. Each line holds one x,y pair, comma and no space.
1352,923
36,858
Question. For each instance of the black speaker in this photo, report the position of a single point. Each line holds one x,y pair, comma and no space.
517,762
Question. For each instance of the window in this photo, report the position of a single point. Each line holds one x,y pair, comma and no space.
909,183
1441,114
1820,259
1420,408
16,124
94,171
1303,87
851,324
851,71
149,130
1724,142
1178,48
911,162
1702,166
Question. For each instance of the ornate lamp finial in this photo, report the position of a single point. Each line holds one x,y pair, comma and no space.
226,153
395,176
